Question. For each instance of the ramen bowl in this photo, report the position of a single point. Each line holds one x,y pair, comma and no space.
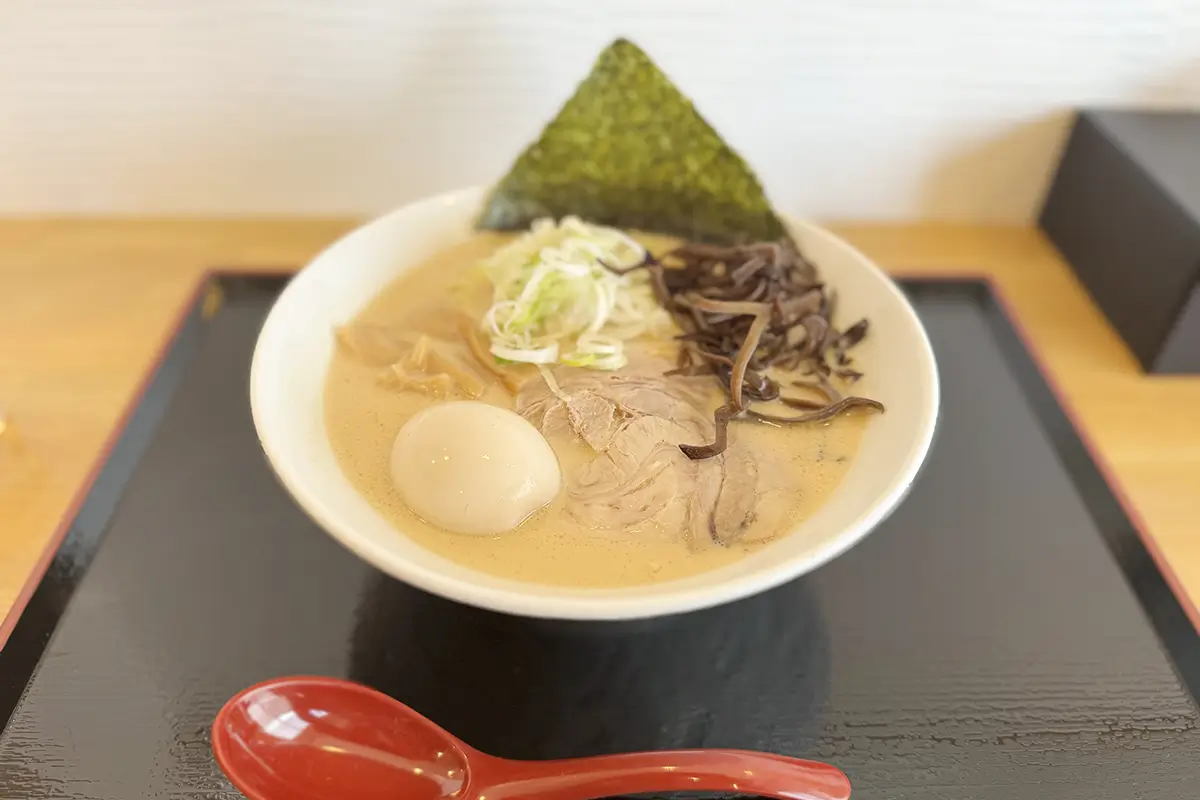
296,345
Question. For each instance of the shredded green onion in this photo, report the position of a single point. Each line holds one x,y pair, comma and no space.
554,300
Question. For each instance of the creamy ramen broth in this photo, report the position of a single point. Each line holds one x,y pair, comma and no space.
363,415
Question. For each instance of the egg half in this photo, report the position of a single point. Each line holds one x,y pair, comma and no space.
474,468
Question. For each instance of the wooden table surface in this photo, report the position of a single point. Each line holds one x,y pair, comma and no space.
85,306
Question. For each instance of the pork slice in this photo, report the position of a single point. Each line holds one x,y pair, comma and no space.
534,396
594,418
633,444
541,407
646,492
737,500
641,436
776,491
635,424
667,405
726,500
596,406
591,417
710,475
642,476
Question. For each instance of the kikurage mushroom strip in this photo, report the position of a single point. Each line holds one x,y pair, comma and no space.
750,308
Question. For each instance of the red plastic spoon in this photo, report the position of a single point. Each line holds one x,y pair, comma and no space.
308,738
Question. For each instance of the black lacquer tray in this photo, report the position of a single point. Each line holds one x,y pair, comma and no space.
1005,635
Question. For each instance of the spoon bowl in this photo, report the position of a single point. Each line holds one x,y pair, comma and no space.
297,738
314,738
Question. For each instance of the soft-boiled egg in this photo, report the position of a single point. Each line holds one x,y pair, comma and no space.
471,467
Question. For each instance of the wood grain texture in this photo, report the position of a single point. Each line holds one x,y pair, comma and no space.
85,306
871,109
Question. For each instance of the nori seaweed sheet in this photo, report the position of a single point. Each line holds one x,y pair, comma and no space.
629,150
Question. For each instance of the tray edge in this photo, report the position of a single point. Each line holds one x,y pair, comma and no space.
987,284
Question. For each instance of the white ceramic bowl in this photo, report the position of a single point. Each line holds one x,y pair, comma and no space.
296,343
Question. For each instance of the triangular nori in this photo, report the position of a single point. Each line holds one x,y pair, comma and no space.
629,150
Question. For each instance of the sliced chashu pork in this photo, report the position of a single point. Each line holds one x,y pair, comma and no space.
638,477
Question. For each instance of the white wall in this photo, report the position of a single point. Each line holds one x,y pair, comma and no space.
946,109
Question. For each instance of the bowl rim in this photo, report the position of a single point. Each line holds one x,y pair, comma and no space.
579,605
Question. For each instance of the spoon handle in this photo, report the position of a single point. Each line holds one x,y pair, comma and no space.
738,771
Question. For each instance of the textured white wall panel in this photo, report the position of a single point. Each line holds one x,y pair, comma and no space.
943,109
